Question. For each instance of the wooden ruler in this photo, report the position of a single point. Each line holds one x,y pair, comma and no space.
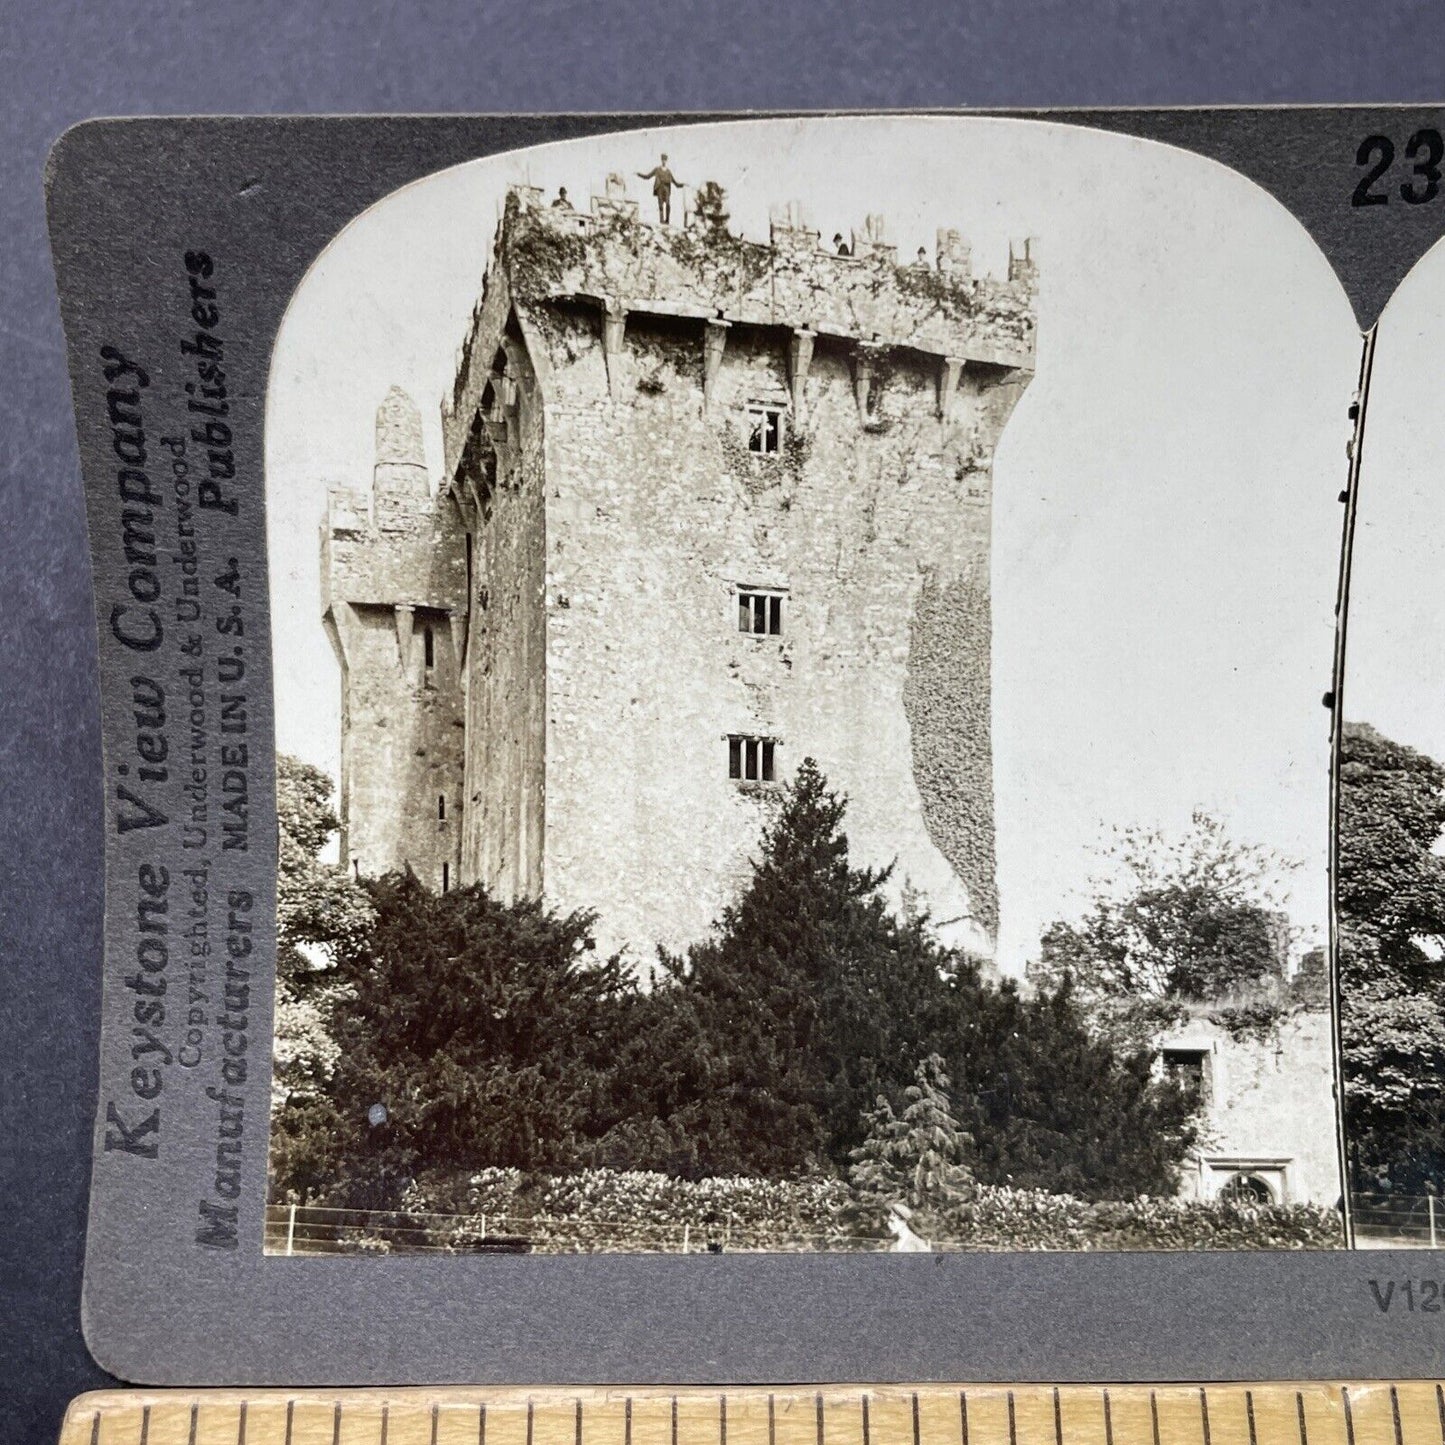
1405,1413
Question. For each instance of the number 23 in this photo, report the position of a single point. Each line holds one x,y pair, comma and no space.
1426,149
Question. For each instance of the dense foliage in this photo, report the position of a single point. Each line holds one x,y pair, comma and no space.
319,909
1004,1219
606,1210
1194,918
1392,982
471,1035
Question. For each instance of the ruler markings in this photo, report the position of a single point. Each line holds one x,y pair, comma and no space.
1353,1413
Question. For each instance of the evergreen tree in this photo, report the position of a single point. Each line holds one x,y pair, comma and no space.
469,1034
918,1158
472,1033
777,1036
811,999
1059,1107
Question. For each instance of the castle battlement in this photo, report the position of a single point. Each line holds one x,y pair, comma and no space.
608,258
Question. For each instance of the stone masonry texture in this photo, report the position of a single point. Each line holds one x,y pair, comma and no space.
393,584
1269,1106
605,502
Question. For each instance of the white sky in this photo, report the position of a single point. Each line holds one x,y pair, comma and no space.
1166,532
1395,669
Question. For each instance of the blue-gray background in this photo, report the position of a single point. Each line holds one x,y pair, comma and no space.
62,62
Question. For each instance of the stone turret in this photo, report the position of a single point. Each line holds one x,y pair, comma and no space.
393,573
400,459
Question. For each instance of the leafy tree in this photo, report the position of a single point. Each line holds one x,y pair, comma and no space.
317,903
1391,901
1195,918
472,1033
318,910
917,1158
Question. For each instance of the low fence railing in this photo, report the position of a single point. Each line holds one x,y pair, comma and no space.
293,1229
1412,1218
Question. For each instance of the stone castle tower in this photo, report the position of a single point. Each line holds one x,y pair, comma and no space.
393,578
710,506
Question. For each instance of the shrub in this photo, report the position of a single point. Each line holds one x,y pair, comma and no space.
1029,1219
636,1209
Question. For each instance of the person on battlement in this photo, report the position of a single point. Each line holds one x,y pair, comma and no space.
663,182
562,203
840,245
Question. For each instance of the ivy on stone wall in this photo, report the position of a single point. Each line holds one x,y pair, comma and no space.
538,257
760,474
947,698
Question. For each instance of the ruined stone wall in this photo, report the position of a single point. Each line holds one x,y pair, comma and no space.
1271,1098
506,760
656,512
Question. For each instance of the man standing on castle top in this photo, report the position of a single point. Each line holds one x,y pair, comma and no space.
561,203
663,181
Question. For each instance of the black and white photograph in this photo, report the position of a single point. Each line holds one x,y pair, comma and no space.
798,651
1391,826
